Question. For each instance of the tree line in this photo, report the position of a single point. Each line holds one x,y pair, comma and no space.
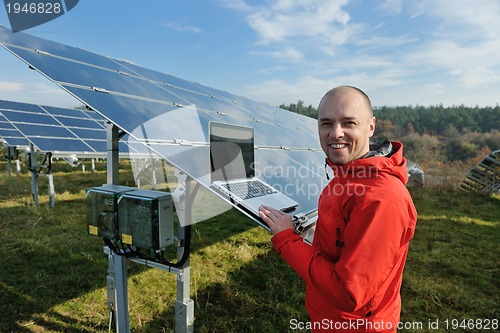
433,120
436,137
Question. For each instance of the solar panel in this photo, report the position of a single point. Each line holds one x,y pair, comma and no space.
10,135
485,176
170,115
52,129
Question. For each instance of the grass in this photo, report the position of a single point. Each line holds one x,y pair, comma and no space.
53,275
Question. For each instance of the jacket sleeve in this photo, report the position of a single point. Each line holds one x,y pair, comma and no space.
372,239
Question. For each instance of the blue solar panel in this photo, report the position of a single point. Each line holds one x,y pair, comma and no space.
10,135
29,117
69,113
171,115
61,144
78,123
50,129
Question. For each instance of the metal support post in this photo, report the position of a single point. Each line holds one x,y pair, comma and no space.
184,306
112,152
34,175
117,265
35,169
9,167
11,154
137,174
51,189
34,187
153,174
121,294
111,285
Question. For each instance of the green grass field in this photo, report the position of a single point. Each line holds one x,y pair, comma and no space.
53,275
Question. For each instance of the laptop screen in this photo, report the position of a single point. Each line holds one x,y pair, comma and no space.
231,152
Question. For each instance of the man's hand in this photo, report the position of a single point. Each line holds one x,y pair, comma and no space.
275,219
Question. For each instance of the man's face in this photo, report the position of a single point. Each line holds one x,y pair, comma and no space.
345,126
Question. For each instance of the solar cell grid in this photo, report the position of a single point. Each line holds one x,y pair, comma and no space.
29,117
18,142
79,122
75,113
51,129
69,145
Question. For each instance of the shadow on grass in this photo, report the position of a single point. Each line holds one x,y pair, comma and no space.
260,296
452,268
47,259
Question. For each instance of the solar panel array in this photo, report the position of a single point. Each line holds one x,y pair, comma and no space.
51,129
485,176
171,116
60,131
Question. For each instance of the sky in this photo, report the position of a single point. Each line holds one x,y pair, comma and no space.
425,52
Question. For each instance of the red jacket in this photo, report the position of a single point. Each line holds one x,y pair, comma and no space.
353,271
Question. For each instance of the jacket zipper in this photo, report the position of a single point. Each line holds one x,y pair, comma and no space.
339,243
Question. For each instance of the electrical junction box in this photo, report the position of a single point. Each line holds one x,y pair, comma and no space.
146,219
102,206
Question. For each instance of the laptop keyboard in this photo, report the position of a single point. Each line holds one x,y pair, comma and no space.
249,189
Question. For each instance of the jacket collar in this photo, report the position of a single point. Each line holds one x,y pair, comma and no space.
385,157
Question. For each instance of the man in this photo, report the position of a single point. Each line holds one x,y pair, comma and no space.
366,218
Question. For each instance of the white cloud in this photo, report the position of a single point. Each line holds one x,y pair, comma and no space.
10,86
463,19
36,92
278,91
391,7
179,26
310,88
240,5
287,21
272,70
284,19
289,54
452,47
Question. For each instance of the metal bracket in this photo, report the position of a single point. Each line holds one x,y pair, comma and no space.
179,196
11,153
36,167
301,223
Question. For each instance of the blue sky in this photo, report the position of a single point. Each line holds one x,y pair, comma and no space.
400,52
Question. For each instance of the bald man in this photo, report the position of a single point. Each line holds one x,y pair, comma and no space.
366,219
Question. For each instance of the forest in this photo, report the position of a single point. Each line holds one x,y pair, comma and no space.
445,141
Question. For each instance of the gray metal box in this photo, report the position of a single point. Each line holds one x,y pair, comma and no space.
102,206
146,219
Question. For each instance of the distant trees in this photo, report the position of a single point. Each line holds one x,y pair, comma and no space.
436,137
433,120
300,108
436,119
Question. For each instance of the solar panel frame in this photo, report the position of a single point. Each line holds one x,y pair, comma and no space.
485,176
130,96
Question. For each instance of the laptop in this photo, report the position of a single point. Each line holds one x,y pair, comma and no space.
232,165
